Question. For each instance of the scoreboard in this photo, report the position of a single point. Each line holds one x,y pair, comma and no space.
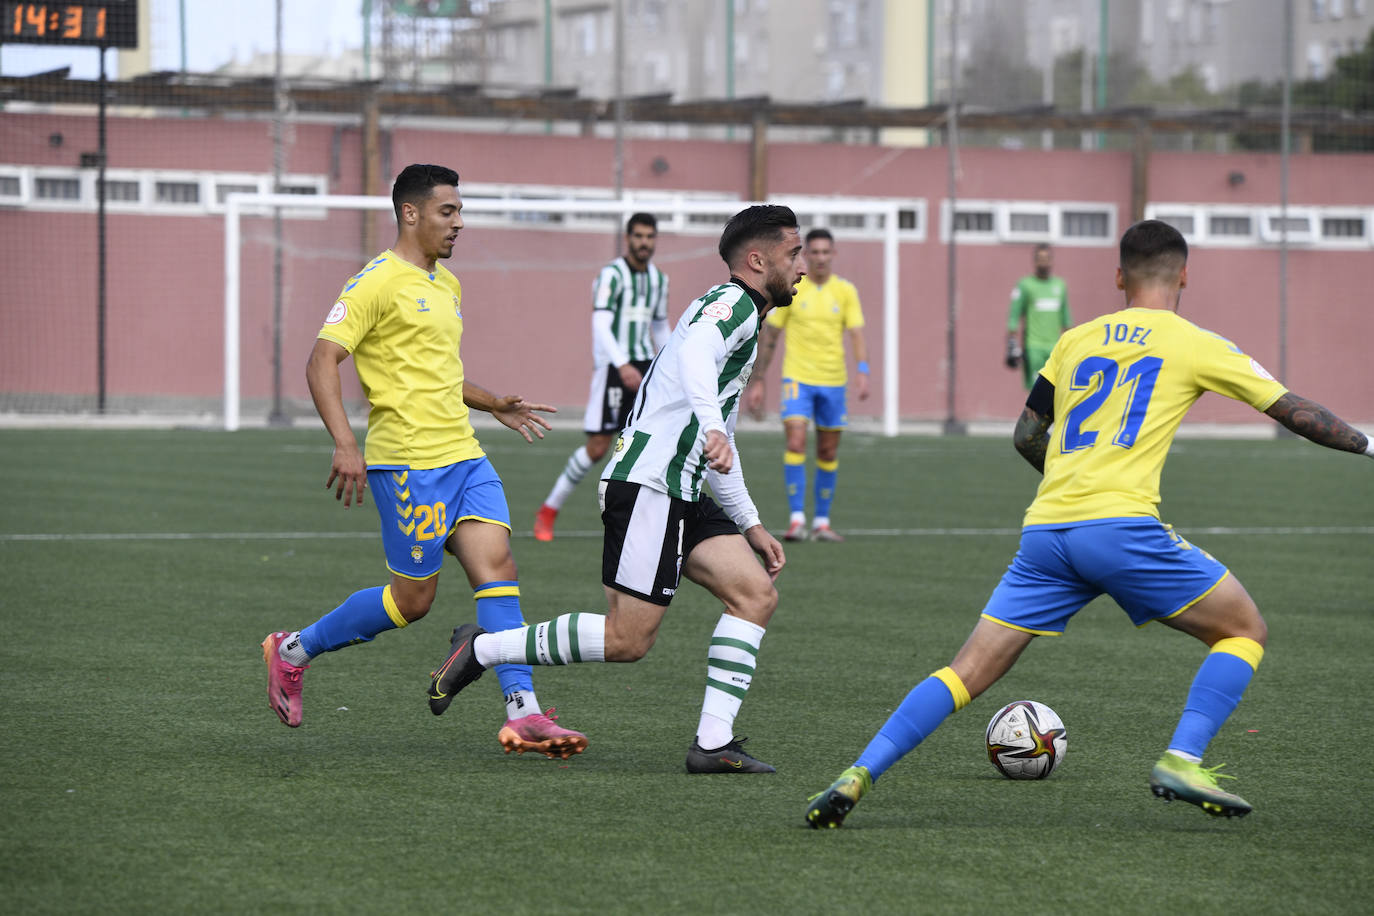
111,24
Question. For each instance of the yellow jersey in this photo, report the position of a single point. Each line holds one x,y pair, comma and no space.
403,326
1122,384
815,323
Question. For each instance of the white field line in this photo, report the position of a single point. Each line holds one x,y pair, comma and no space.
1287,531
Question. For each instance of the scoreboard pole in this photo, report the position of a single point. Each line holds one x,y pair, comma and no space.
101,24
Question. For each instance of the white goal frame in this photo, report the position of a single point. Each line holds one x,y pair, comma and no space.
235,205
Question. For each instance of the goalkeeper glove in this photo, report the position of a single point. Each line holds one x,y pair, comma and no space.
1013,354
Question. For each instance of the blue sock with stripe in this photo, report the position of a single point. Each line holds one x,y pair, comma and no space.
1215,693
498,608
362,616
927,705
794,477
827,472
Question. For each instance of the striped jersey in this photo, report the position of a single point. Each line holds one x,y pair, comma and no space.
692,387
403,326
1122,384
635,299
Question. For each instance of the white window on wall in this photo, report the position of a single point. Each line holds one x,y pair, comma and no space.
1085,224
585,31
1316,60
1230,226
176,192
11,187
1184,219
1344,228
121,190
979,222
224,188
56,188
1318,10
1336,8
1020,222
1300,225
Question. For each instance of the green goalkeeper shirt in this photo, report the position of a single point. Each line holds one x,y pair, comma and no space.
1044,306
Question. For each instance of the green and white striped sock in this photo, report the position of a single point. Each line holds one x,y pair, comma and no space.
729,672
564,640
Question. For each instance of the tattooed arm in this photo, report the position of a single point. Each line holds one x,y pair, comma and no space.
1032,437
1314,422
1032,434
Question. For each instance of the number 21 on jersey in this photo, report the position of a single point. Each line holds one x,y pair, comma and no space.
1138,377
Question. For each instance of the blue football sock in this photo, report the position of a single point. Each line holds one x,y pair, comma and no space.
826,473
925,707
498,608
794,477
1216,690
362,616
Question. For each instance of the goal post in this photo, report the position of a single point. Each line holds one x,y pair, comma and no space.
703,218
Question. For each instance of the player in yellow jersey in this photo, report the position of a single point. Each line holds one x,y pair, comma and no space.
1115,390
823,315
401,319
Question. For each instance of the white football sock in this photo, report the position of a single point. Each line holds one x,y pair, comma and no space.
729,672
564,640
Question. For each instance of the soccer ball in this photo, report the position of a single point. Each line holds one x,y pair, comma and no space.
1026,740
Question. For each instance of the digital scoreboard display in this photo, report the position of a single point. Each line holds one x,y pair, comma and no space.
112,24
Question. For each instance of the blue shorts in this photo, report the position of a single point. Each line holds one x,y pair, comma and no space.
821,404
1140,562
419,508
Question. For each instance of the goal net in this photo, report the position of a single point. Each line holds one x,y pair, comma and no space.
526,266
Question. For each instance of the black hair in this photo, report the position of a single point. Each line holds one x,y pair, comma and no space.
819,234
641,219
762,221
1152,250
1042,246
416,183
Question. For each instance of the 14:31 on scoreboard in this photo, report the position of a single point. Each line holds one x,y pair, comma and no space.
112,23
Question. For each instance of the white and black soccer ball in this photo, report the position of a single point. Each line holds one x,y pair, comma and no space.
1026,740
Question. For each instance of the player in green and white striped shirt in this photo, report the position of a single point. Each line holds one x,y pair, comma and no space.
658,525
629,325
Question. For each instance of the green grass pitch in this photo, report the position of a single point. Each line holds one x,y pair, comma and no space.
143,771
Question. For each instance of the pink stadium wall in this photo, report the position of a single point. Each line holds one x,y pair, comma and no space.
166,272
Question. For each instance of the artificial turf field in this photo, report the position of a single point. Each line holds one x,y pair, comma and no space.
143,771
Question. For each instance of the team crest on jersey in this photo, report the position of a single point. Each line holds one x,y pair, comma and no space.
336,314
717,310
417,554
1260,370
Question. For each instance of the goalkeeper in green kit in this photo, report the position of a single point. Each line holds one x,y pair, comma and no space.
1042,302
